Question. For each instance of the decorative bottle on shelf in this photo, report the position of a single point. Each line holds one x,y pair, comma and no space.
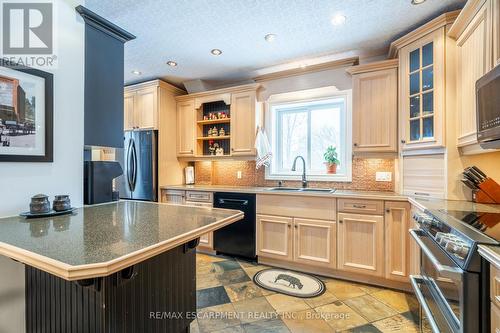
209,133
215,131
222,132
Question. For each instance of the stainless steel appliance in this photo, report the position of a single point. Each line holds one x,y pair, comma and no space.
488,109
452,287
139,162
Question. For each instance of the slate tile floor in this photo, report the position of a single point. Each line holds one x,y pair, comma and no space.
229,302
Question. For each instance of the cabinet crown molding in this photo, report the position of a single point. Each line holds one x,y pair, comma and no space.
438,22
154,83
230,90
465,17
373,66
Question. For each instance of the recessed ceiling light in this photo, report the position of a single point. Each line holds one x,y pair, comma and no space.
172,63
136,72
270,37
338,19
216,52
417,2
303,66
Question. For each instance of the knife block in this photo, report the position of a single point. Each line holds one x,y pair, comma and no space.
491,189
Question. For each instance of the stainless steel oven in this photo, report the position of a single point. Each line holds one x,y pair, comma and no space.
488,109
448,295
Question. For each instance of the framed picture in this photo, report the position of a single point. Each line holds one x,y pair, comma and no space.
26,114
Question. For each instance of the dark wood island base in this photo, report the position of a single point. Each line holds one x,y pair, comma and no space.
156,295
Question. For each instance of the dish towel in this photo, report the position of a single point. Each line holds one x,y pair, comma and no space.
263,148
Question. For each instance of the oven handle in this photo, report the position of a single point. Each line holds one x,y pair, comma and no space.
445,271
414,279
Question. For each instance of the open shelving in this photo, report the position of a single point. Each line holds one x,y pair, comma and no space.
204,125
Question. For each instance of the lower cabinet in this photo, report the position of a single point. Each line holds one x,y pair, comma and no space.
207,241
397,248
495,318
360,243
305,241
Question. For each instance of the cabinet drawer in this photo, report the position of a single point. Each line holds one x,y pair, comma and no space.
199,196
495,285
297,206
361,206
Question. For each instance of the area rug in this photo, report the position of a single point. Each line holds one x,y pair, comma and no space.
289,282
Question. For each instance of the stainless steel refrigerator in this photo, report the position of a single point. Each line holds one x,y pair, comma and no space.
138,159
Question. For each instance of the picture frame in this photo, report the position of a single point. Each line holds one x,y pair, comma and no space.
26,114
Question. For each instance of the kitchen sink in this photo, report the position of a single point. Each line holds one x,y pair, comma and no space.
296,189
286,189
320,190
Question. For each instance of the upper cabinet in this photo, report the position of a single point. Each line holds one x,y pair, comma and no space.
473,32
496,31
375,107
219,123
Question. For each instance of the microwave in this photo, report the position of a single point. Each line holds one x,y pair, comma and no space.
488,109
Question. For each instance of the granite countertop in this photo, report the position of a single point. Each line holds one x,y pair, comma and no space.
101,239
265,190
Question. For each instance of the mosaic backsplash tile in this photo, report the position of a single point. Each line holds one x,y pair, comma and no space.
224,173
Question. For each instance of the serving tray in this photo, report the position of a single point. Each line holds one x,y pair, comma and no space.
50,213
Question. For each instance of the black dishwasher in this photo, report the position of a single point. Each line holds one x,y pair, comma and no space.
238,238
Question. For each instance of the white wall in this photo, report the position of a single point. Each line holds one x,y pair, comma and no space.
19,181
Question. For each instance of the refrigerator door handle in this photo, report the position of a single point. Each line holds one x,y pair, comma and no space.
129,165
134,156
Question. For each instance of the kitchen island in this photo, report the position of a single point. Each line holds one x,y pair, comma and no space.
125,266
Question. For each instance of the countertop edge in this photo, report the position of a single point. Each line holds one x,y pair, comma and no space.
489,255
79,272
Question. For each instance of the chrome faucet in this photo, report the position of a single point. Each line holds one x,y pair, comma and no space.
294,168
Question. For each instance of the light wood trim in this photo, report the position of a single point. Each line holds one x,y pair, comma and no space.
397,245
360,206
230,90
321,208
373,66
465,17
309,69
206,138
438,22
353,247
79,272
207,241
214,121
414,250
496,31
315,252
283,240
155,83
495,318
200,196
199,101
495,285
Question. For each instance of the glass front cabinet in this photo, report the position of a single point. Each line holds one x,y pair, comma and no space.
422,92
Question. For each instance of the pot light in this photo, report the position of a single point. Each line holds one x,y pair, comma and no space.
216,52
136,72
172,63
338,19
270,38
417,2
303,66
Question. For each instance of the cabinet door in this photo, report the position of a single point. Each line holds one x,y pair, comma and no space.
414,268
206,241
173,196
243,123
495,318
274,237
397,222
314,242
129,114
146,105
360,243
474,59
186,118
375,96
422,95
496,31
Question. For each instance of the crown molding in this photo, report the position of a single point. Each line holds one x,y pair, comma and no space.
309,69
466,15
104,25
438,22
231,90
373,66
155,83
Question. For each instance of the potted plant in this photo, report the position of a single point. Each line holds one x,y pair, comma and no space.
331,160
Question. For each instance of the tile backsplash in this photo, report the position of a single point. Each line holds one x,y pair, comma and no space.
225,173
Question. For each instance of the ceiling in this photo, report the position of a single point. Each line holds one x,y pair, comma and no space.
186,30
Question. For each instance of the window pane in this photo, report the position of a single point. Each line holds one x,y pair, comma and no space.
415,106
427,78
414,60
428,103
293,137
428,127
415,130
427,55
325,131
414,83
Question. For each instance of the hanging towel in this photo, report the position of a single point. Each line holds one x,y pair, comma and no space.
263,147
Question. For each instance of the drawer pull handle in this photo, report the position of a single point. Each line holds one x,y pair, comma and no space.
422,193
359,206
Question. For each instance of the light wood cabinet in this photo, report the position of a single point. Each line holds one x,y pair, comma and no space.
360,243
496,31
274,237
315,242
207,240
243,128
129,114
375,107
397,247
173,196
186,131
495,318
414,268
422,92
361,206
141,106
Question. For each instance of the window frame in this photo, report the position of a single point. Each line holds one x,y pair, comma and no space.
303,97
